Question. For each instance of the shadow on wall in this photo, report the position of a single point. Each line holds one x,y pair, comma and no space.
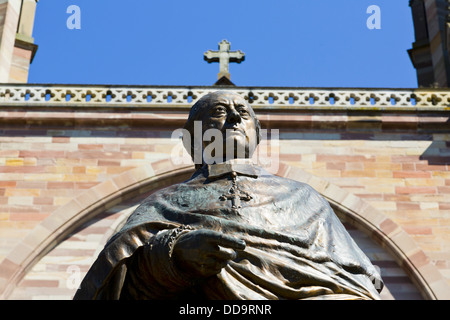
438,153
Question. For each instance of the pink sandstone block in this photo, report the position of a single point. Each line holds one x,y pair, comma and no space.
416,190
411,174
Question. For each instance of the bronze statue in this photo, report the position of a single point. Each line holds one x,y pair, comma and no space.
232,231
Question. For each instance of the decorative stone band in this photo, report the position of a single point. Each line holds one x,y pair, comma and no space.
260,97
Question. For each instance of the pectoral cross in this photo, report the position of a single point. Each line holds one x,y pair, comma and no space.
235,194
224,56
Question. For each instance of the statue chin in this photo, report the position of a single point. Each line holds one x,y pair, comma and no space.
234,147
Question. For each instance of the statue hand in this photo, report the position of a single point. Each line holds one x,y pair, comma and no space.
205,252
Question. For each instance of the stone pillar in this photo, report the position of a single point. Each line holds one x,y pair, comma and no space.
420,53
24,49
17,46
436,19
9,18
429,53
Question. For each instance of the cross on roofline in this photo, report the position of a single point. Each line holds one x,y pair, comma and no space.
224,56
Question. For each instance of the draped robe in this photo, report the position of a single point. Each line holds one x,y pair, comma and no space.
296,247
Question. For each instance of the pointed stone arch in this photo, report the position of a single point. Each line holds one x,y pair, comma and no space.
81,209
382,230
160,174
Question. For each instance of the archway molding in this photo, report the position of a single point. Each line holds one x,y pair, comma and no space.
159,174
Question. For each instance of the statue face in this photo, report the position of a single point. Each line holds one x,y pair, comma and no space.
234,118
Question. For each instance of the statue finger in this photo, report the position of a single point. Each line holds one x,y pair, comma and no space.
224,254
228,241
211,267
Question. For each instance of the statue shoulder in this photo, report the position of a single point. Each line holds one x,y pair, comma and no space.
301,189
295,184
150,208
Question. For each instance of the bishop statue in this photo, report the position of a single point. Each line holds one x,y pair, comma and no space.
232,231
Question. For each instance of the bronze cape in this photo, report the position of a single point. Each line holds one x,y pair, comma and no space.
296,246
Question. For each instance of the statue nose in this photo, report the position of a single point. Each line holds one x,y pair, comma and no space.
234,117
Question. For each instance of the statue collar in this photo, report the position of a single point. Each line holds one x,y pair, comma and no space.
243,167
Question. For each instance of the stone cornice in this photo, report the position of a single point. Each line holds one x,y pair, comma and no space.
166,108
273,99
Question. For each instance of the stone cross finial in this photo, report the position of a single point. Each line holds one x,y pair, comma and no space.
224,56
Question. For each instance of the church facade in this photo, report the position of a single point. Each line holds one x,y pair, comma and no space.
75,161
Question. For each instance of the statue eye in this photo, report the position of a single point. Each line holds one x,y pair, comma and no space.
218,111
242,111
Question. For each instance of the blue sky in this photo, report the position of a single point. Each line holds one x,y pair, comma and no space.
288,43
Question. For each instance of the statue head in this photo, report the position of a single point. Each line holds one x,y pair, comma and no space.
227,128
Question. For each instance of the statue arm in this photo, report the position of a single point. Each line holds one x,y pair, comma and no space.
151,272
